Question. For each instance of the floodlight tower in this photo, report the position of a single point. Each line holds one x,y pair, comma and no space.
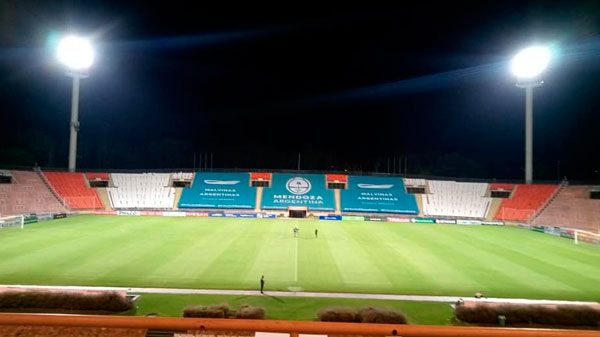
527,66
77,55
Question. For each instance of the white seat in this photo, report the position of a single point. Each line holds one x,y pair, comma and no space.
455,199
414,182
146,190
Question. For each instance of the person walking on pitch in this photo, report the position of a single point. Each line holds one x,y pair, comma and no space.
262,284
316,232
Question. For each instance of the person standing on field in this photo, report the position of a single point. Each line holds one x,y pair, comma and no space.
316,232
262,284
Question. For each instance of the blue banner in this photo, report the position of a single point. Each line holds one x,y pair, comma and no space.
330,217
241,215
298,190
219,190
218,215
422,220
377,195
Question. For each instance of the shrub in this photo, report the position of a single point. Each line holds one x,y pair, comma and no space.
249,312
338,314
98,301
573,315
381,315
224,307
220,310
200,311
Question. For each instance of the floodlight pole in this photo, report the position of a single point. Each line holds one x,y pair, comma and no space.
528,86
74,121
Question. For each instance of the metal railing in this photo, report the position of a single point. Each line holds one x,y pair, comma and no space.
292,327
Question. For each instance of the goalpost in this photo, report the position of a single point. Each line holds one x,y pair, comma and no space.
12,221
581,235
82,203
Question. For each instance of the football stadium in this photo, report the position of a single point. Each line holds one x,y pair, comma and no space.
302,171
183,238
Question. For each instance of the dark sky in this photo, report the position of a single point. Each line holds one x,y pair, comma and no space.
348,87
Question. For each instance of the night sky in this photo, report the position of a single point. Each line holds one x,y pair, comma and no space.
349,88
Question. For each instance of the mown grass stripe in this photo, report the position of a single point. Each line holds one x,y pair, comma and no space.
348,256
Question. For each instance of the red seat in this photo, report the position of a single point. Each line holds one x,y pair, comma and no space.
337,178
96,175
260,176
526,200
501,186
72,188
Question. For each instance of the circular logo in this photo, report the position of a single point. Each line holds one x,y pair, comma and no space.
298,185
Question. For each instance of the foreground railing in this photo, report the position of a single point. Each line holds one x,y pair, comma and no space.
291,327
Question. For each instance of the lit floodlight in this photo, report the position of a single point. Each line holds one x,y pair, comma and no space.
76,53
530,62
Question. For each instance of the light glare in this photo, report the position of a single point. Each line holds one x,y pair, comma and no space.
530,62
76,53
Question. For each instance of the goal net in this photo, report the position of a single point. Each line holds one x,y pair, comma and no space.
85,202
515,214
12,221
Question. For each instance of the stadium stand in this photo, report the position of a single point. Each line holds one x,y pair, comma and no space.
5,172
298,190
526,201
572,208
414,182
260,175
144,190
377,195
219,190
183,176
336,177
502,186
27,194
71,187
97,175
454,199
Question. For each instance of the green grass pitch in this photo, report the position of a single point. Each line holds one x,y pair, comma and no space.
294,308
348,256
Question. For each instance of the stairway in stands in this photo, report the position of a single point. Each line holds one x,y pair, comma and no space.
50,188
561,187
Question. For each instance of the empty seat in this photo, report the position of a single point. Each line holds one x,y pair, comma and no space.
414,182
71,187
261,176
336,177
96,175
454,199
526,201
145,190
502,186
27,194
572,208
183,176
